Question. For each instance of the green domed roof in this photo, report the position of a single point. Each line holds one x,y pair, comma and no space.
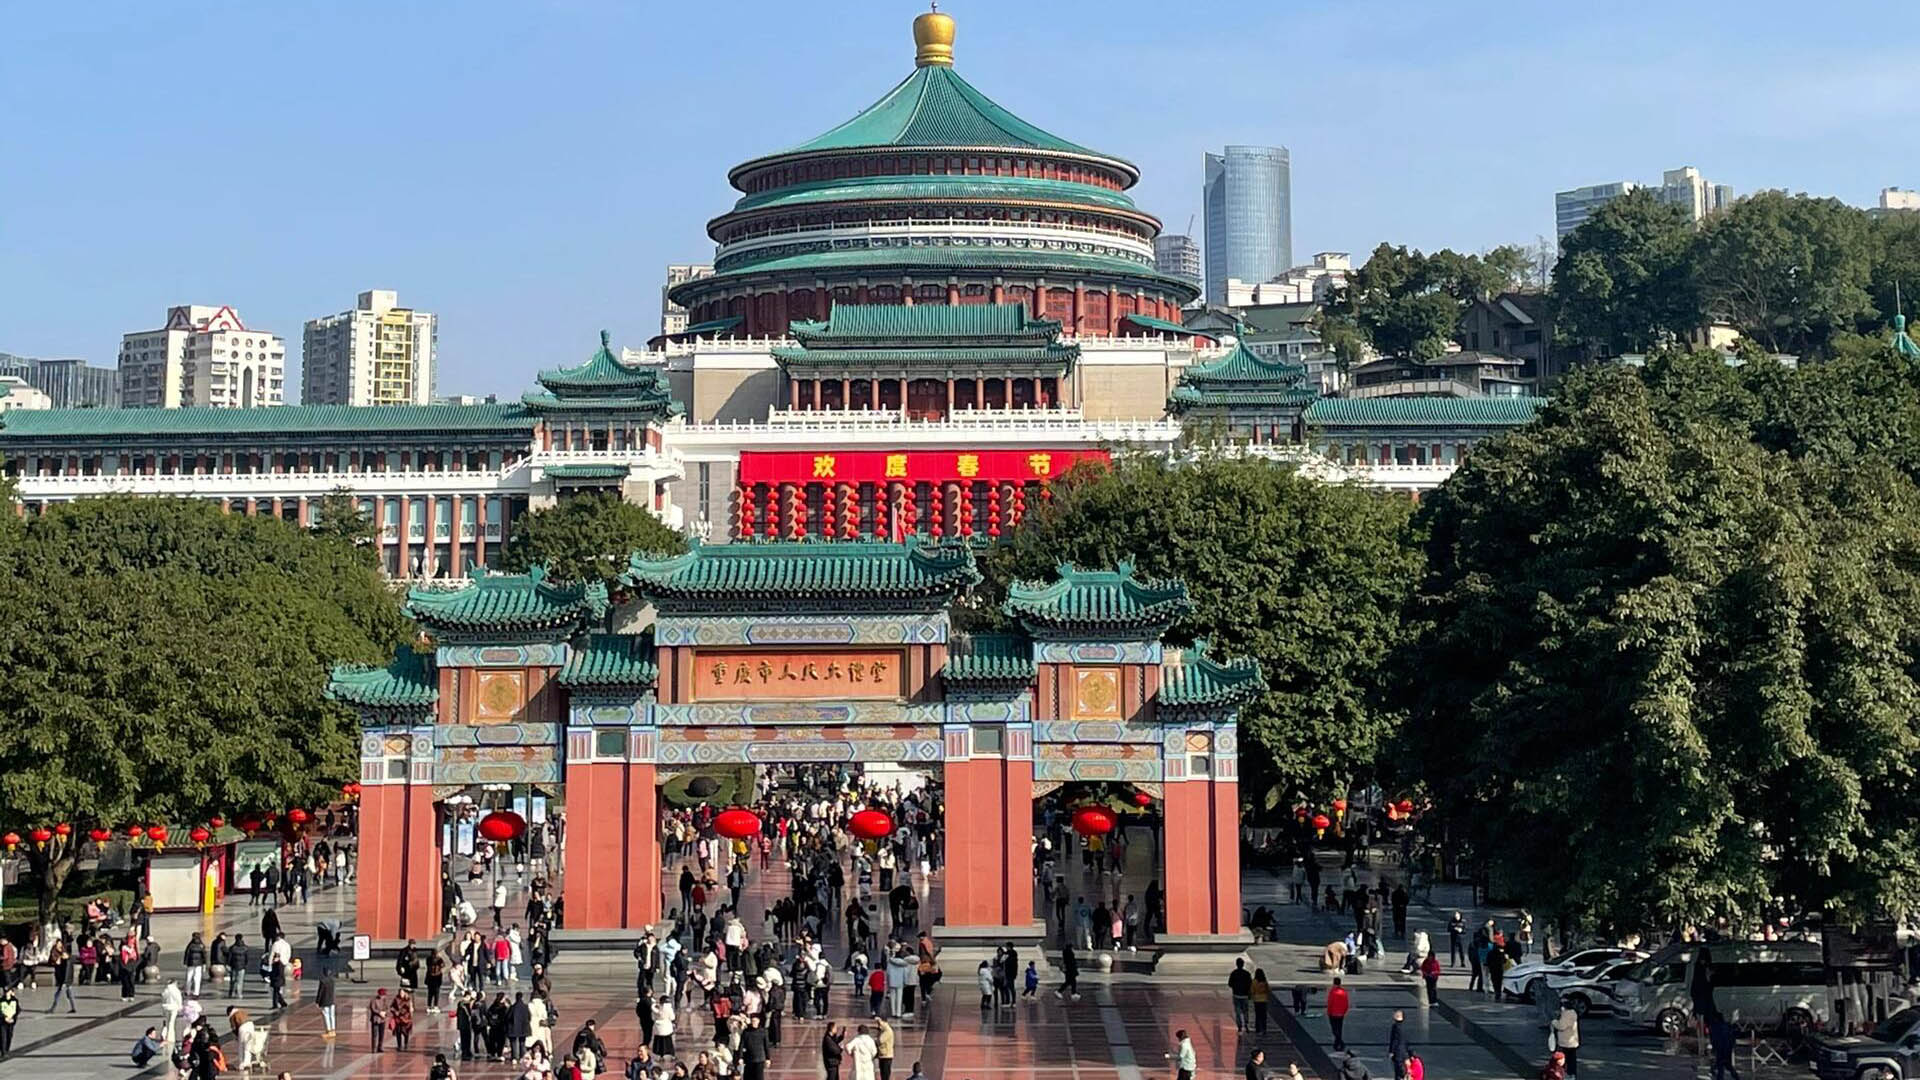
935,107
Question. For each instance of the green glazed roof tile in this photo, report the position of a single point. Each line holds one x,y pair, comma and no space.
781,573
1902,342
913,321
1148,322
509,602
586,472
934,106
405,683
267,420
1194,681
994,189
1241,377
975,659
946,257
1050,358
1097,601
623,660
603,383
1498,411
601,371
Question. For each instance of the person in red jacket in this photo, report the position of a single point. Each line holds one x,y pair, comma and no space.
1337,1005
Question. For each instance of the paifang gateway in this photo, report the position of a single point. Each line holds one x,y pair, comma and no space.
916,321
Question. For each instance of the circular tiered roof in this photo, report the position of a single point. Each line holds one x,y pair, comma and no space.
934,182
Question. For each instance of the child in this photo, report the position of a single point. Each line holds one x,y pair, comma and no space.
1032,981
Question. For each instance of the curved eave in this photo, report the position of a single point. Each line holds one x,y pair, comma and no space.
1122,166
1136,217
876,261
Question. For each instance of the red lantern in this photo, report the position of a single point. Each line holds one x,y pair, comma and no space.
199,834
12,840
1393,812
352,789
1093,820
1142,799
502,825
871,824
1339,806
737,823
216,821
63,830
42,834
1299,813
250,823
298,816
157,833
99,836
1406,806
135,832
1321,821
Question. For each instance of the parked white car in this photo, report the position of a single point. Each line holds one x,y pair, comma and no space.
1519,978
1603,988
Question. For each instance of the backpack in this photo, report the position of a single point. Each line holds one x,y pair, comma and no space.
1416,1070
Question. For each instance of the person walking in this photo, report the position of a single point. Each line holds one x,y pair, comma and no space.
1262,999
863,1050
1566,1036
1720,1035
323,998
1338,1005
1185,1061
519,1026
1430,971
10,1017
402,1020
277,977
1070,974
1456,928
194,959
1397,1049
379,1018
239,955
171,1001
1240,986
62,963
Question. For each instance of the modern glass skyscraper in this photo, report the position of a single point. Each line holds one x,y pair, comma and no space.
1249,202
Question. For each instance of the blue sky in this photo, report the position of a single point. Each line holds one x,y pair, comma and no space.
527,169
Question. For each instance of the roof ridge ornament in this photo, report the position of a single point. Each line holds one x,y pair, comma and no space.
933,39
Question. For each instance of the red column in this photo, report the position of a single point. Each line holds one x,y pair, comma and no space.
643,846
989,840
595,855
381,856
420,915
1203,856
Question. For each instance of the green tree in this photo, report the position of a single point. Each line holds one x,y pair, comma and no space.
1895,282
1307,577
338,515
1788,271
1624,279
166,662
587,538
1665,661
1408,304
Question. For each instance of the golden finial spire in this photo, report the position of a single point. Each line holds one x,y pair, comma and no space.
933,38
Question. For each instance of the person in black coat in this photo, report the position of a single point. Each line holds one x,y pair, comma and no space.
830,1051
519,1026
497,1018
466,1017
753,1050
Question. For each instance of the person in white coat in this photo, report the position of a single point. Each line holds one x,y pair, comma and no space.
171,999
539,1024
864,1052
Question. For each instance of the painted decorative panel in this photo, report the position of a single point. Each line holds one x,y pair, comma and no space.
717,713
539,654
1095,731
989,712
496,734
693,746
1096,692
1095,752
1096,652
501,696
498,765
800,630
1144,771
605,714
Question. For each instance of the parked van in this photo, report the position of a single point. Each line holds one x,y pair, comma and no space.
1755,984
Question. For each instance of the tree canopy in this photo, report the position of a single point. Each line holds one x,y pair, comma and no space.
166,662
1667,641
1408,304
1624,279
587,538
1307,577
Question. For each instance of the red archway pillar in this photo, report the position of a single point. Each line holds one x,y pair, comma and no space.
612,878
399,860
1202,806
989,830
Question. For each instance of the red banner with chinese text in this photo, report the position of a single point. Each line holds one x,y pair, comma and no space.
909,466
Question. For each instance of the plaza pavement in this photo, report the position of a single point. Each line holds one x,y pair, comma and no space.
1121,1029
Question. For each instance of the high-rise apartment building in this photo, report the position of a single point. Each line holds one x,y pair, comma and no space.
378,353
1683,187
1249,209
204,356
69,383
673,317
1178,256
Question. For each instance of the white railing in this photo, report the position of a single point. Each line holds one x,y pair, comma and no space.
837,419
971,228
1036,427
1392,476
267,485
666,460
755,345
